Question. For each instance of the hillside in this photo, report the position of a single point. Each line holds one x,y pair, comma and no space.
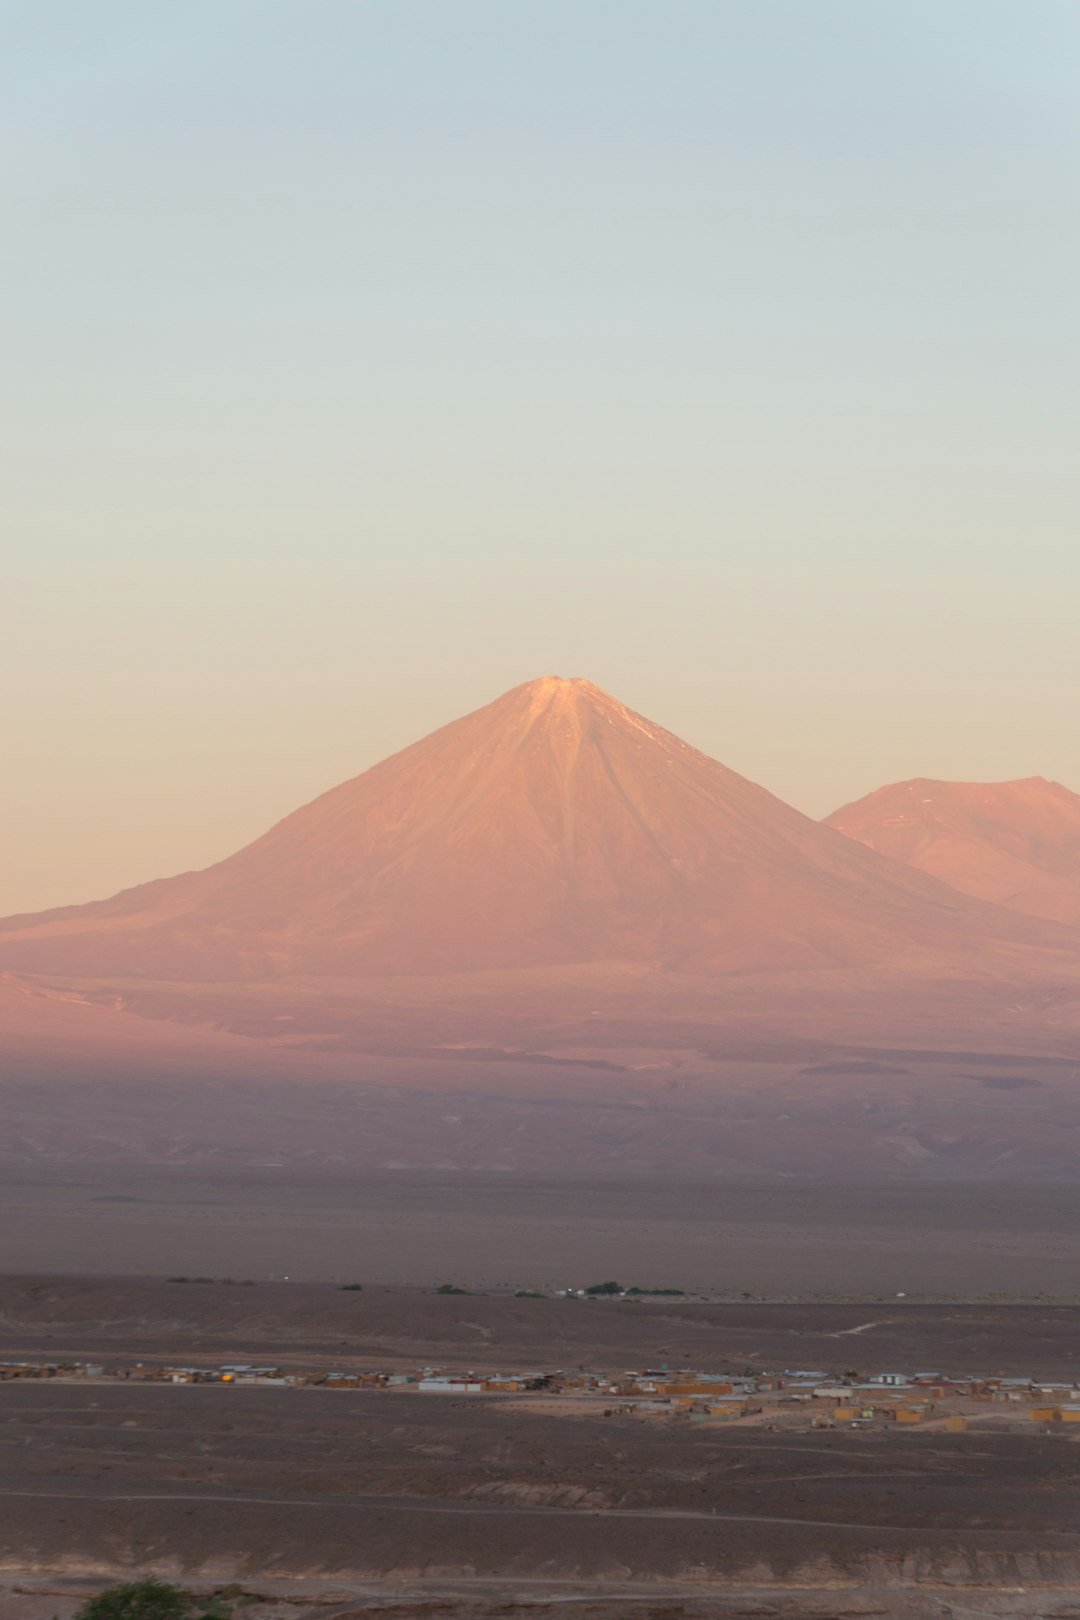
1016,844
552,827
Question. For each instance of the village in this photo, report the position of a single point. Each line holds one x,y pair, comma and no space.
795,1398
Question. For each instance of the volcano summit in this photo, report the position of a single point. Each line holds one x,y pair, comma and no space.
554,826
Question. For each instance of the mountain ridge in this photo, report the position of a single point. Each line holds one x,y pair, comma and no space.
552,826
1015,843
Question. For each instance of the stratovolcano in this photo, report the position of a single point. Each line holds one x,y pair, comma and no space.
552,827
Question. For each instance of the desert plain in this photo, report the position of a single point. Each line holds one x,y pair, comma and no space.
356,1502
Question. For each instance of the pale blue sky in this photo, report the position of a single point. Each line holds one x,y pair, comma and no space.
363,358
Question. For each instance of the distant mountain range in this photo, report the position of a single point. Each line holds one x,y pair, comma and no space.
556,826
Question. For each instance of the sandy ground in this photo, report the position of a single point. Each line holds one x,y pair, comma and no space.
315,1324
765,1239
445,1503
351,1504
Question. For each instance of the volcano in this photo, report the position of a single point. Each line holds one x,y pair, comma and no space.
1014,843
554,826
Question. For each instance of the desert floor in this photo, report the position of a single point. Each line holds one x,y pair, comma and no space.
344,1501
775,1238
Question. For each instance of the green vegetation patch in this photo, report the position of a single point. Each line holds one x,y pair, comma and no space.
152,1600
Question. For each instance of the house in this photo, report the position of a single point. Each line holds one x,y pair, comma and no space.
734,1408
699,1386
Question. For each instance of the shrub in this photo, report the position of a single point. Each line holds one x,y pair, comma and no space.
150,1600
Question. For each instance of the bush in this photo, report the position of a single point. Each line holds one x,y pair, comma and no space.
449,1288
605,1288
150,1600
352,1288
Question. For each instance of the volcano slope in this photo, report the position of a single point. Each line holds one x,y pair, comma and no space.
550,936
1014,843
554,826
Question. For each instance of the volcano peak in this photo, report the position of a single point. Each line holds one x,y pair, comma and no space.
563,691
553,826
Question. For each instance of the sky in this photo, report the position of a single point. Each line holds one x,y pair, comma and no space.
364,358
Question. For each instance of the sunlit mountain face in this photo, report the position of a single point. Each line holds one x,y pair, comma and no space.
552,938
554,826
1014,843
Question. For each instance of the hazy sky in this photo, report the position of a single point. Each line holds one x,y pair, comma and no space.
362,358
